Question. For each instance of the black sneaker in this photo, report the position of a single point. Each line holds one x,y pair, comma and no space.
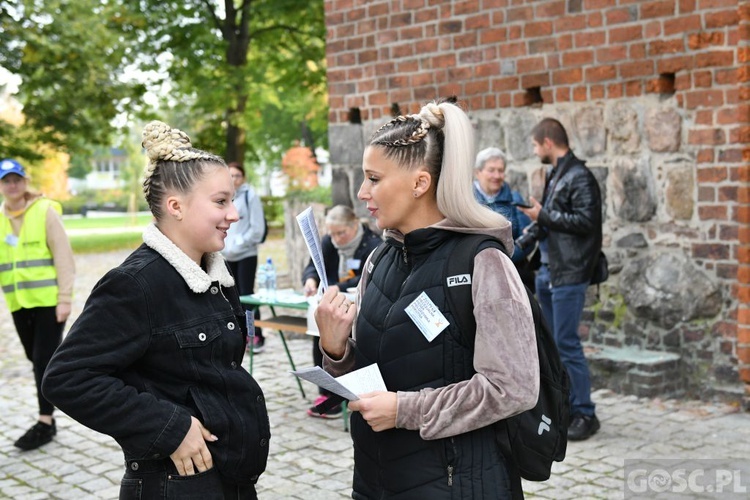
334,412
583,427
35,437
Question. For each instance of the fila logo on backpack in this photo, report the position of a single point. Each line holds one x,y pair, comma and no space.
544,424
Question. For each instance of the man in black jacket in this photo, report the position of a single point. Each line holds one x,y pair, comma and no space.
569,222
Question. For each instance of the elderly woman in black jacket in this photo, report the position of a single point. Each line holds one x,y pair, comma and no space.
345,249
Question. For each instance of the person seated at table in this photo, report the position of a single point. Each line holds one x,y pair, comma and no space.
345,248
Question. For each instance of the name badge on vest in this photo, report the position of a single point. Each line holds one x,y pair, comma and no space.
428,318
353,264
11,240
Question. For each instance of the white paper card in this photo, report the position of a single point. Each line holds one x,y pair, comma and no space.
428,318
364,380
321,378
349,386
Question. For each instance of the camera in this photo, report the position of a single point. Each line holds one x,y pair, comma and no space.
529,237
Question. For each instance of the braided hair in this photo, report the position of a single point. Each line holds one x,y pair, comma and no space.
440,139
414,140
173,164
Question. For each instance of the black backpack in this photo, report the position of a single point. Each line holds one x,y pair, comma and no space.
533,439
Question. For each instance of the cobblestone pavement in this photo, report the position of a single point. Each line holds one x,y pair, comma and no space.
311,459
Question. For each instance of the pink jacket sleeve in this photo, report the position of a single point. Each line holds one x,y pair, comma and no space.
505,359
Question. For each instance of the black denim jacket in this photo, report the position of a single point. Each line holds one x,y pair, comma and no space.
147,353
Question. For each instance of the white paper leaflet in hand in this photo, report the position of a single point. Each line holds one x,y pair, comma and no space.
349,386
306,222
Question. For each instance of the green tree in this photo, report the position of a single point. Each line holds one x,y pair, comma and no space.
72,56
80,166
254,70
132,170
18,143
245,75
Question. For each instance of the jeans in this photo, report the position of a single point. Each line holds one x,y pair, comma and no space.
562,307
158,480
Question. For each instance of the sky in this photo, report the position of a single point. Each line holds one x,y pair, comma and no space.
8,78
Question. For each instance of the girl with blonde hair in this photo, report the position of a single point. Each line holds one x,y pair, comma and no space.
155,358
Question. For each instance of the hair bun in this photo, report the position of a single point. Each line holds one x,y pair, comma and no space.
160,141
432,114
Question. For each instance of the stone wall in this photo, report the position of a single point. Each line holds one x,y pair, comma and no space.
654,95
664,293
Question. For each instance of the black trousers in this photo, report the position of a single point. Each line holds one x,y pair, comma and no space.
158,480
40,335
244,274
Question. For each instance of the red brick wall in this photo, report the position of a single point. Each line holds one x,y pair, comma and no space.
489,52
742,118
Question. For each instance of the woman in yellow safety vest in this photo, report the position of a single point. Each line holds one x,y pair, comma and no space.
36,273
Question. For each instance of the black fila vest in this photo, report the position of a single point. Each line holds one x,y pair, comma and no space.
398,463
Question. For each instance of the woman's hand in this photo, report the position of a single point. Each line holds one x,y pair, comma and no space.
311,287
335,316
378,409
193,453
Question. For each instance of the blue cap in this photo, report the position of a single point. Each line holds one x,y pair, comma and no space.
9,166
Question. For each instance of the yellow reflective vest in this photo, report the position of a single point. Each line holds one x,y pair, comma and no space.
27,271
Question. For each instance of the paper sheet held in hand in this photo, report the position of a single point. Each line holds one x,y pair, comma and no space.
306,222
349,386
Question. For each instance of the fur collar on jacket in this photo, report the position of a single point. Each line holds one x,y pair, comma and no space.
198,280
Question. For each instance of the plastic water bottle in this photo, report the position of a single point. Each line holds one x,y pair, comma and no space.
261,281
270,279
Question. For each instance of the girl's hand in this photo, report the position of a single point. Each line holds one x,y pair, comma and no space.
335,316
193,453
378,409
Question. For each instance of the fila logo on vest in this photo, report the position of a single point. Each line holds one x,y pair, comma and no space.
459,279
